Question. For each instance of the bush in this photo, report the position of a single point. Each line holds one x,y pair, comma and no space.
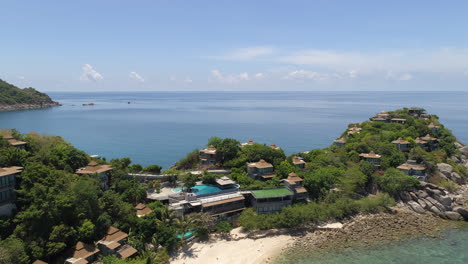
155,169
394,181
224,227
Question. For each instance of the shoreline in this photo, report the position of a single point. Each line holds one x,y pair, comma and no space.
286,245
7,108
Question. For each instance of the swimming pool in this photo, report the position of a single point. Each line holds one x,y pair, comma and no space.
204,189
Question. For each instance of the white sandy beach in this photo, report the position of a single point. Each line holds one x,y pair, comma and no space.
242,251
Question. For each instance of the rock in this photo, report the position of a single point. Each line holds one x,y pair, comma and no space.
432,186
458,145
462,211
445,169
416,207
437,192
423,204
466,165
421,194
436,204
464,150
455,159
435,210
413,196
454,216
405,197
456,178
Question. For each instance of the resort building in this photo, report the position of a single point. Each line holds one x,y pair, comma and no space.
415,111
208,156
433,127
14,142
299,162
427,142
273,146
7,189
39,262
381,117
412,168
250,142
294,184
223,205
340,141
113,243
354,130
402,145
101,171
372,158
260,170
142,210
398,120
272,200
82,253
225,181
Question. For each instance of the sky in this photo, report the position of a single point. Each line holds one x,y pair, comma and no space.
219,45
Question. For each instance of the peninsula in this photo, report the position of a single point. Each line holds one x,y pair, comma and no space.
400,172
14,98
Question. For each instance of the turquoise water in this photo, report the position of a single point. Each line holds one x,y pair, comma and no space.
162,127
451,248
201,189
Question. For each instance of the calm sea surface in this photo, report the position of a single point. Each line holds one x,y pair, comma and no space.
161,127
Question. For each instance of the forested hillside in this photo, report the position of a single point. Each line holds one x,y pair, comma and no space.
11,95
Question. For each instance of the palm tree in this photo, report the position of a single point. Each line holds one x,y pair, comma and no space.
166,216
184,224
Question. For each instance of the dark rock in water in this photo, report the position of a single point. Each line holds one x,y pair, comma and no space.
454,216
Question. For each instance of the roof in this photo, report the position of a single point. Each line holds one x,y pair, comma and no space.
428,138
210,150
239,198
39,262
301,190
127,251
260,164
420,141
340,140
400,141
268,176
250,142
432,125
10,170
370,155
142,210
82,250
93,167
409,166
271,193
297,161
293,178
398,119
225,181
273,146
13,141
113,235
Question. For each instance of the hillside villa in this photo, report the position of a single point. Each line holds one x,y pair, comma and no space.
294,184
271,200
354,130
7,189
99,170
402,145
142,210
433,127
14,142
340,141
82,254
273,146
250,142
114,243
372,158
260,170
299,162
427,142
208,156
412,168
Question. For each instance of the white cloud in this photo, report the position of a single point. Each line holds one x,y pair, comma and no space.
310,75
90,74
136,77
235,78
246,53
188,80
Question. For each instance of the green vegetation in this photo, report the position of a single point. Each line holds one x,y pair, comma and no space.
12,95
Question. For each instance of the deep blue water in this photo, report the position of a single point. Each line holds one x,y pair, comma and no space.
161,127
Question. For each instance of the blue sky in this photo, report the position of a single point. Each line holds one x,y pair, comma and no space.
234,45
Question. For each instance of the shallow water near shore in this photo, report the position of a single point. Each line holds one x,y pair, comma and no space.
450,248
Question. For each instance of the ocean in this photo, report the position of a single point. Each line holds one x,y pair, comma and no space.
162,127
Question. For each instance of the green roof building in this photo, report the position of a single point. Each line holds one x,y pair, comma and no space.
271,200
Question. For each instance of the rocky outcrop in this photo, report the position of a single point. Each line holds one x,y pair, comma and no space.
464,150
430,198
27,106
445,169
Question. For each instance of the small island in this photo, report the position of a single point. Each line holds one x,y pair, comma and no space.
14,98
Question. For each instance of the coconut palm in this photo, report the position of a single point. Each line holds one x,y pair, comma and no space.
184,224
